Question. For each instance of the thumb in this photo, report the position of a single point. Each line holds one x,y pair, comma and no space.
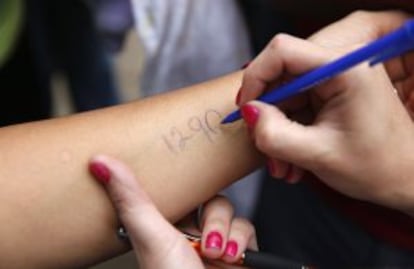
147,229
281,138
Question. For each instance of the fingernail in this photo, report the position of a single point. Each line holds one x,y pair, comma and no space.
214,240
238,97
290,177
100,172
250,115
246,65
231,248
271,167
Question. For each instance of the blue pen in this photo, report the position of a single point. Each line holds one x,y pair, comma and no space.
385,48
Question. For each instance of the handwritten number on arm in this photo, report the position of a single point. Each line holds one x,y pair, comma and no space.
213,126
196,125
177,140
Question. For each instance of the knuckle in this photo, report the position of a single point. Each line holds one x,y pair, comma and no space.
120,203
248,76
243,227
278,41
217,205
327,158
215,223
361,14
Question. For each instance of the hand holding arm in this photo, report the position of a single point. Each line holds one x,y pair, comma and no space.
156,243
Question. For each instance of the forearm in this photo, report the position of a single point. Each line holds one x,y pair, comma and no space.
55,215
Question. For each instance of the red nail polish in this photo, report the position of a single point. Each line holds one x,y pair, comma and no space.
290,176
250,114
100,172
214,240
238,97
231,248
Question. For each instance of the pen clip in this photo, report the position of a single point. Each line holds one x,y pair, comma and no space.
402,44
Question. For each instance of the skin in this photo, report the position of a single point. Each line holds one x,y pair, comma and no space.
58,217
361,117
344,136
156,243
376,24
339,37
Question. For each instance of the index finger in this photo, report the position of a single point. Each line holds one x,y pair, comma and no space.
283,55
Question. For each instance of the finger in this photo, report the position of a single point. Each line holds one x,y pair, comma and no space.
277,168
284,54
282,170
215,221
145,225
294,174
281,138
242,236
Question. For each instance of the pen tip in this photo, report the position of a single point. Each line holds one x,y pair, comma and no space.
225,121
231,117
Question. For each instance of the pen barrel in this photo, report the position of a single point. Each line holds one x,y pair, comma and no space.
260,260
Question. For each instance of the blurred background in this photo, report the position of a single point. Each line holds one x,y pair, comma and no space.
127,65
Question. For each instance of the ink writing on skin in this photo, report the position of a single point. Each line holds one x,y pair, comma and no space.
177,139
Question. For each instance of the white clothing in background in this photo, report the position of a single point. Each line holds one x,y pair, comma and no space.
190,41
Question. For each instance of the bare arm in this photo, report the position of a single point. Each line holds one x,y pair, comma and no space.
54,215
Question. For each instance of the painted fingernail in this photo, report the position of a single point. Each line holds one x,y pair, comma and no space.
231,248
250,115
271,167
291,176
246,65
238,97
214,240
100,172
